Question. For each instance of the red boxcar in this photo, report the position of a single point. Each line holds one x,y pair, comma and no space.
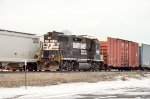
120,54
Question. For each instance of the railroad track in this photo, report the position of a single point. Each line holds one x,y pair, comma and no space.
14,72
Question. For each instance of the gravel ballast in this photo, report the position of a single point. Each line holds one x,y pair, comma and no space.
17,79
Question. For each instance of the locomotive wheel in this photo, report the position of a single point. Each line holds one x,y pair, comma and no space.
76,66
70,66
64,66
97,67
101,67
67,65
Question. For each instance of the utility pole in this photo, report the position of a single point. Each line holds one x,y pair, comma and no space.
25,74
60,58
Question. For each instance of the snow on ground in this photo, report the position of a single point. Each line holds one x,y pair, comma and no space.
132,88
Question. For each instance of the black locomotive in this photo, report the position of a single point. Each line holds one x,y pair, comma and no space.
69,52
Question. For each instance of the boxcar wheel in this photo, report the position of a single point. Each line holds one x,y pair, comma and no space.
109,68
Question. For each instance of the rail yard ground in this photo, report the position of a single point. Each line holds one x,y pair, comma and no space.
17,79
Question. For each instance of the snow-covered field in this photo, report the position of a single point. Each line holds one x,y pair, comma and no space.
131,88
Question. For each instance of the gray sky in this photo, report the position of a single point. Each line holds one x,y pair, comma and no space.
127,19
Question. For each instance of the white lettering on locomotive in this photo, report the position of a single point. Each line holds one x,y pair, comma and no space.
79,45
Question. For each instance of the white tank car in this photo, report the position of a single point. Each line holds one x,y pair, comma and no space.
16,47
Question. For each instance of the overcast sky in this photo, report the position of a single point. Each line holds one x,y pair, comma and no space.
127,19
